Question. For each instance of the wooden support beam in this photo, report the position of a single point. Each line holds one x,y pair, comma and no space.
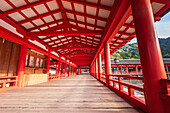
65,33
91,4
39,16
71,48
25,7
86,15
167,2
46,24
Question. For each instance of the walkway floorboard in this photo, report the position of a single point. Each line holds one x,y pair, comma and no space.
76,94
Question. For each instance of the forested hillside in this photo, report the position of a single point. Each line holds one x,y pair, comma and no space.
130,51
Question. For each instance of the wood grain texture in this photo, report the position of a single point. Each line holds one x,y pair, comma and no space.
76,94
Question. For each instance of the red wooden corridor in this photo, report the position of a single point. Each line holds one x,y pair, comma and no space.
76,94
48,40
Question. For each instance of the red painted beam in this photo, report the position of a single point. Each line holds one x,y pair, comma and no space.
18,28
46,24
87,39
85,15
84,23
129,25
39,16
60,26
90,4
71,48
25,7
166,7
167,2
89,55
63,14
125,33
118,19
65,33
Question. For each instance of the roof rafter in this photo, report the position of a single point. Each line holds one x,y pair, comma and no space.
39,16
162,1
91,25
90,4
86,15
25,7
65,33
47,24
71,48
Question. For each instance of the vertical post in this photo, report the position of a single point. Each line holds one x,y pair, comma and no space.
95,68
99,66
47,65
80,71
21,65
56,72
167,69
150,54
65,69
136,69
59,68
127,69
120,86
117,69
107,62
69,69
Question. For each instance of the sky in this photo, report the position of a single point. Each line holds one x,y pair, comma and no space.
162,28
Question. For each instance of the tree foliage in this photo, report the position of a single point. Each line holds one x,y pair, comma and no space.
130,51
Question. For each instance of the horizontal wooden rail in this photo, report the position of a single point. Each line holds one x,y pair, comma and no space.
130,94
8,82
127,76
53,76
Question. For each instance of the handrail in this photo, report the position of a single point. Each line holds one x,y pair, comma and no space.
127,76
130,94
8,80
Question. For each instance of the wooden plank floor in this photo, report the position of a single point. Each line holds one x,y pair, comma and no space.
76,94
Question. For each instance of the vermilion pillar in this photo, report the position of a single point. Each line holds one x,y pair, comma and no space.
69,70
47,65
117,69
136,69
80,71
21,65
150,54
107,62
95,68
99,66
65,68
59,68
56,68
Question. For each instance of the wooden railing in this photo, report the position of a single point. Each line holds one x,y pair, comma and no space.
53,76
125,89
103,78
62,75
8,82
165,94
